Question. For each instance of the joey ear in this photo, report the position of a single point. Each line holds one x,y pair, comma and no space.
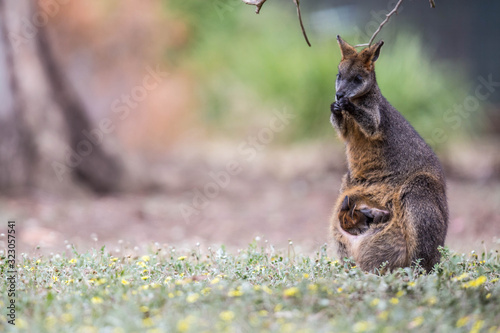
345,204
345,49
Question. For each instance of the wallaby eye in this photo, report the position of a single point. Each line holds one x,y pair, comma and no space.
358,79
338,76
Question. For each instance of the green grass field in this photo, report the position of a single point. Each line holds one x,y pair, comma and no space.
257,289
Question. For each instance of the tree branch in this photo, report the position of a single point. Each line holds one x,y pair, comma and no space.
388,16
260,3
256,3
297,3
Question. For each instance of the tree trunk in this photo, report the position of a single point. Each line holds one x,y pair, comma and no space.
45,110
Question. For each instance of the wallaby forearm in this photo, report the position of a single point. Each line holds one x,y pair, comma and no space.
367,120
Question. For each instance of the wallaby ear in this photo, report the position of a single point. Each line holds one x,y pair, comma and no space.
376,50
370,54
345,49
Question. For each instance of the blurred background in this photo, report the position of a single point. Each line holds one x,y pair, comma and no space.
176,122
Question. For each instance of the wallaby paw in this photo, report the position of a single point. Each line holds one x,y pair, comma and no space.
335,108
345,104
375,215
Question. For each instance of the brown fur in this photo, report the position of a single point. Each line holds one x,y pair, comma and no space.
391,168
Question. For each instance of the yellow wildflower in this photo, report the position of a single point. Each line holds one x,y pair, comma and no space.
416,322
432,300
235,293
67,317
462,321
477,326
339,290
226,315
267,290
215,281
183,325
21,323
73,261
100,281
50,321
192,298
143,308
147,322
55,278
291,292
394,301
461,277
125,282
383,315
145,258
96,300
144,277
361,326
475,283
312,287
375,302
182,258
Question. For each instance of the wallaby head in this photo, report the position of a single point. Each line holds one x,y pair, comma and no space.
356,75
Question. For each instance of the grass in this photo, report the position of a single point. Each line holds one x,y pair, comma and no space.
257,289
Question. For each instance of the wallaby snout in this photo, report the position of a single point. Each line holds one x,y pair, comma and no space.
339,95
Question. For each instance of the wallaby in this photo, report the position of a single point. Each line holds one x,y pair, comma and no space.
392,206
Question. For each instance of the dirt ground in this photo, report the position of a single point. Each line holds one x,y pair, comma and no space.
280,195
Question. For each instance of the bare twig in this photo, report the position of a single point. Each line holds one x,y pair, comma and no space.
388,16
260,3
297,3
433,4
256,3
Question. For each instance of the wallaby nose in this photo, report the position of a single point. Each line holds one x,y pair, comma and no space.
339,95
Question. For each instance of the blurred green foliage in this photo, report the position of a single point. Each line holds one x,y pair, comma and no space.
233,50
